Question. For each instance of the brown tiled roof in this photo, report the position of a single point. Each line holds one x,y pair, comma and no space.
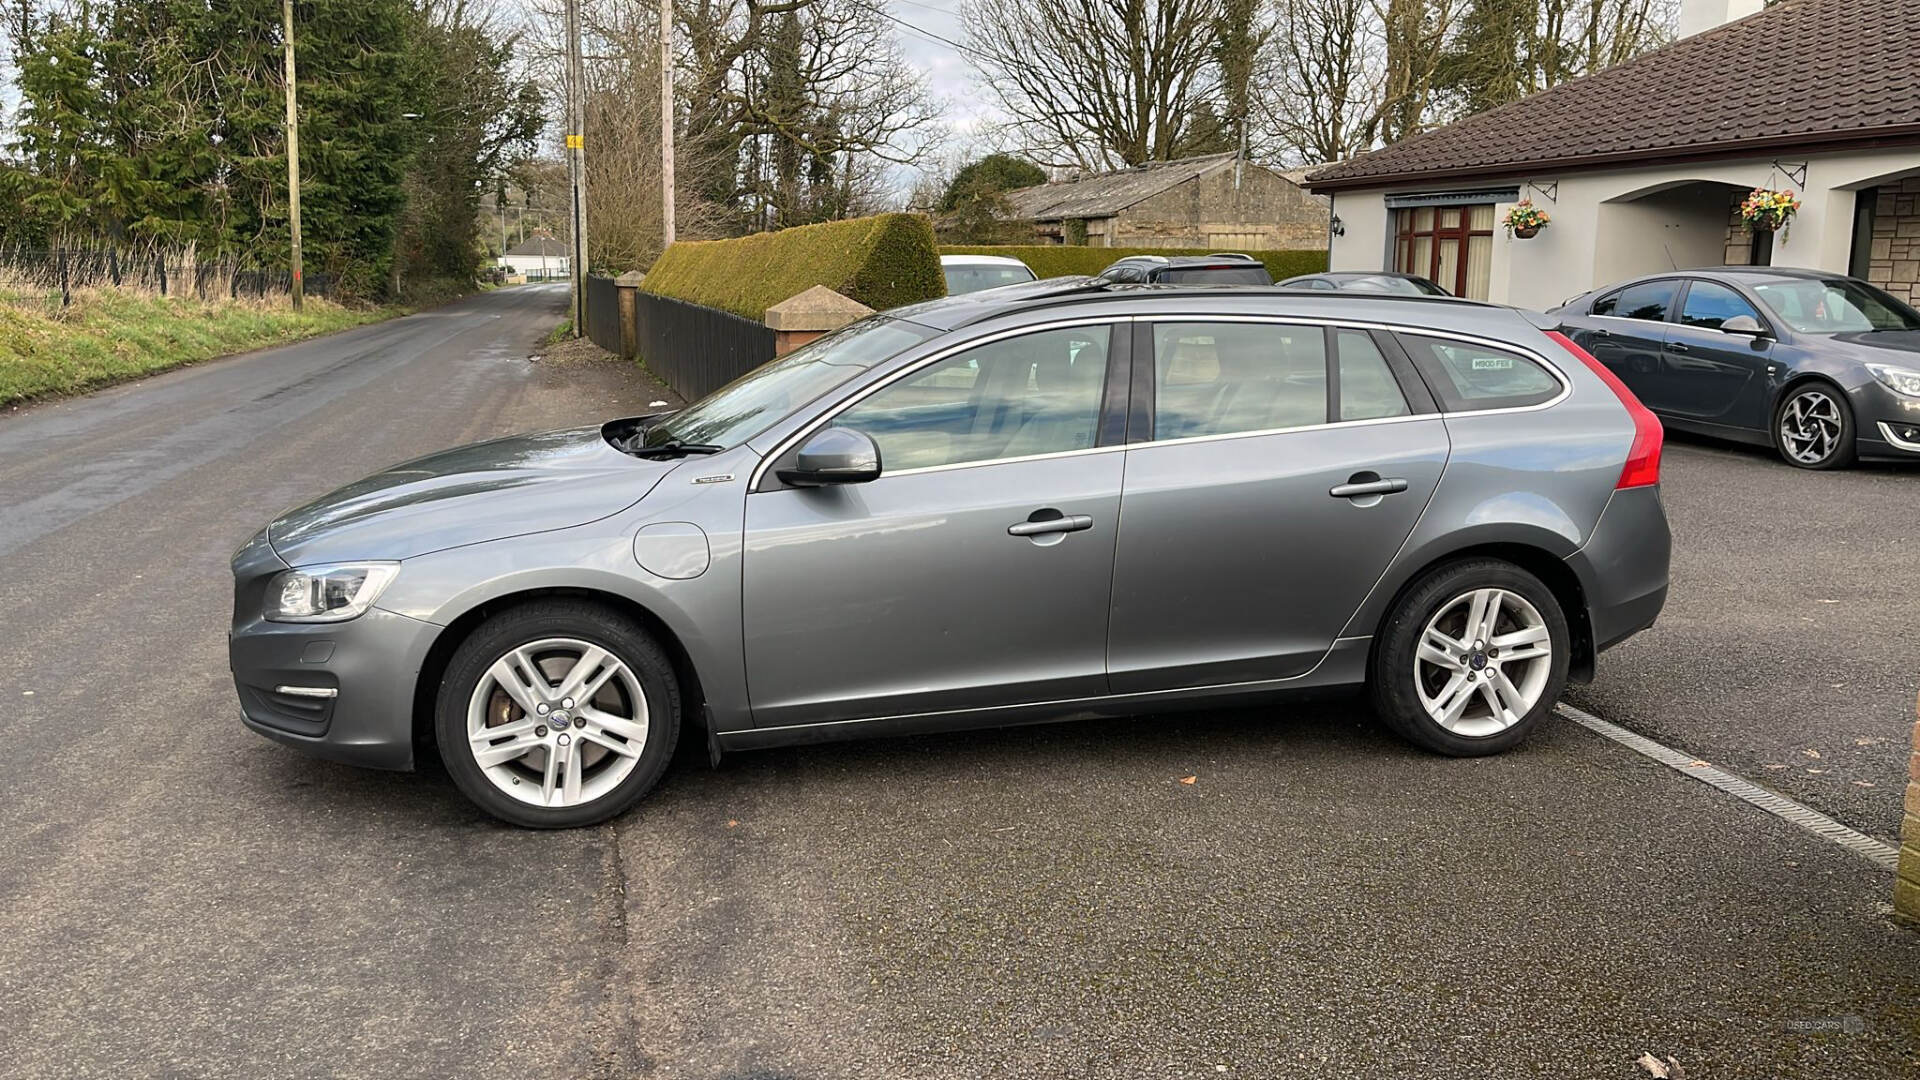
1798,76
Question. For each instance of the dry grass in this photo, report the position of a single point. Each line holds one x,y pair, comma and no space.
110,335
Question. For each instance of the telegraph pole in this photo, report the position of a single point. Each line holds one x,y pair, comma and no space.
577,164
666,124
293,154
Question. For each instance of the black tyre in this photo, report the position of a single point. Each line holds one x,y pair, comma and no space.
1472,658
557,714
1813,427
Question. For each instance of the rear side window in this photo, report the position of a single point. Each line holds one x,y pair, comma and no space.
1466,376
1230,377
1367,389
1648,300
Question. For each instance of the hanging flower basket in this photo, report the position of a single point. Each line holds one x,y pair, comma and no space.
1525,220
1767,210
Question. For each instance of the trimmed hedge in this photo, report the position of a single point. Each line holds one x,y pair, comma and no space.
1056,260
882,261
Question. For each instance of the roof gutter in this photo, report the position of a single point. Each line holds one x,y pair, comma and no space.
1903,134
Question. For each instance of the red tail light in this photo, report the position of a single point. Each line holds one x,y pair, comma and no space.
1643,458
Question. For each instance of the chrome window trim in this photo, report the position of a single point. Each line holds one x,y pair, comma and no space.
1553,369
780,448
1886,432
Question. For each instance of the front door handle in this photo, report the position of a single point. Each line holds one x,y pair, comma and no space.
1678,346
1040,526
1355,490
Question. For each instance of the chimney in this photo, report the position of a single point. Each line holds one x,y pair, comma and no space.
1699,15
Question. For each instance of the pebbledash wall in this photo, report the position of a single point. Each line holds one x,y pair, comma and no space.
1609,225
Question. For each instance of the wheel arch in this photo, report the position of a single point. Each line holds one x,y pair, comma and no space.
1553,572
427,683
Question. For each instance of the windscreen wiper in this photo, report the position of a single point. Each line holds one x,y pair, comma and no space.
674,448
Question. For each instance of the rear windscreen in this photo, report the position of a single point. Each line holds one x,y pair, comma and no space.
1217,275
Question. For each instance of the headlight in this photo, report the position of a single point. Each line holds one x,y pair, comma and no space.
327,593
1898,379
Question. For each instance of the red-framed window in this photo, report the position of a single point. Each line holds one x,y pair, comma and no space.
1450,245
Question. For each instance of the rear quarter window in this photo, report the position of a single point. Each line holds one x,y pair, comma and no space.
1468,376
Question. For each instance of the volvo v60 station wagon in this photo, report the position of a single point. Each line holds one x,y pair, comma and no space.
1041,502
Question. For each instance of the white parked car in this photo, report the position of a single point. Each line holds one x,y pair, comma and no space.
971,273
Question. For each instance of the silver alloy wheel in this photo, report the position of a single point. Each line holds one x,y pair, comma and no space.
1810,426
1483,661
557,722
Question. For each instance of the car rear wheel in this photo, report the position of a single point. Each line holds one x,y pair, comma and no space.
557,714
1813,428
1472,659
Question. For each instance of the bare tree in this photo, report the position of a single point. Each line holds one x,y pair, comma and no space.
1322,80
1091,84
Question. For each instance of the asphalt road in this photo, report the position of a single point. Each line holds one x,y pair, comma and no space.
180,897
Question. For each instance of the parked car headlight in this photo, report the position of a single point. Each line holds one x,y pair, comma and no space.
327,593
1898,379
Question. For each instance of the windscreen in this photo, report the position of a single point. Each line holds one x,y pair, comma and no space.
1216,275
1835,306
966,279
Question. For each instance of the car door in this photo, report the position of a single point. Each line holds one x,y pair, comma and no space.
975,571
1252,527
1710,374
1627,331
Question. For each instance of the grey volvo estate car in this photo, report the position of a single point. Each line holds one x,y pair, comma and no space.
1042,502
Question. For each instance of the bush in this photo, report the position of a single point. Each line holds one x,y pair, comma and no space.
1057,260
883,262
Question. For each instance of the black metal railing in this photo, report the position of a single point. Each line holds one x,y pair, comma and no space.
602,314
57,272
696,349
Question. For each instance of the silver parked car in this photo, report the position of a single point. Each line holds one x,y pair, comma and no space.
1042,502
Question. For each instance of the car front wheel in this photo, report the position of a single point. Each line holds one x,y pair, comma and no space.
1813,428
1472,659
557,714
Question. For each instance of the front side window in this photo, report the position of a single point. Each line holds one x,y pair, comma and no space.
1225,378
1038,393
1648,300
1833,306
749,404
1710,303
1467,376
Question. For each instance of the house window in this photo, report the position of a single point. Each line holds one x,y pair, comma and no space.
1452,245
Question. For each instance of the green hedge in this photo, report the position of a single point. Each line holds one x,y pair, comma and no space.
883,262
1056,260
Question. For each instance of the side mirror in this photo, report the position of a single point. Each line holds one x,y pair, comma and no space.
1743,324
834,455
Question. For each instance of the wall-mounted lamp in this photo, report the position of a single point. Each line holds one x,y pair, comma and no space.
1339,227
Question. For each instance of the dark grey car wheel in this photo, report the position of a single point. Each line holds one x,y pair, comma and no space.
1472,659
1813,427
557,714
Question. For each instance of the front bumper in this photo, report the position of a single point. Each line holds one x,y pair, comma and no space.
1887,425
372,664
1624,564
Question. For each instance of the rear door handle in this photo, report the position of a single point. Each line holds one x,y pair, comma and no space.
1074,523
1369,487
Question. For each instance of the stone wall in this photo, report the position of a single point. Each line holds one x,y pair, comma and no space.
1265,212
1894,263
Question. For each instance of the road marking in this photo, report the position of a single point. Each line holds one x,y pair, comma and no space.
1882,855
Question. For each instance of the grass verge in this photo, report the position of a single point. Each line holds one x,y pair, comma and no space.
109,336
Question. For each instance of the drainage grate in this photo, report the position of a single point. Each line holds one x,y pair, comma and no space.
1885,856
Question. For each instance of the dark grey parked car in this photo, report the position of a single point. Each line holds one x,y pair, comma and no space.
1823,367
916,524
1224,268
